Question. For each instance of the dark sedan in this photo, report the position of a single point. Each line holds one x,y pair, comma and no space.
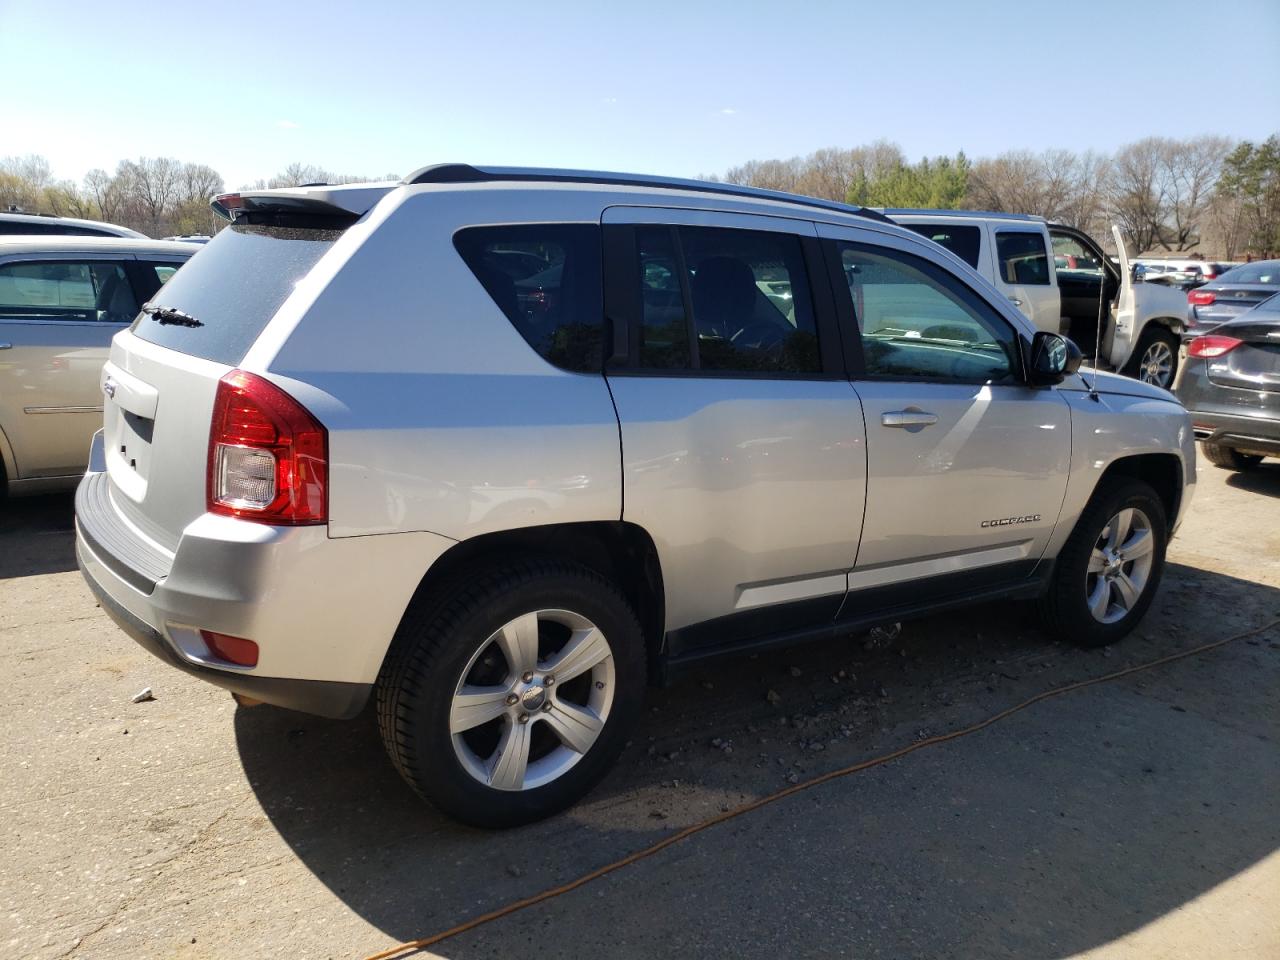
1231,294
1230,383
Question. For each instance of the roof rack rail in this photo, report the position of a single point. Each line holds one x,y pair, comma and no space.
466,173
930,211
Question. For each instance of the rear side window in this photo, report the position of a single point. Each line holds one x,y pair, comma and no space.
1022,257
725,300
232,288
964,242
66,290
546,279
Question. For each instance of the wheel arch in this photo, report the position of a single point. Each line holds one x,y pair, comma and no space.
624,552
1163,472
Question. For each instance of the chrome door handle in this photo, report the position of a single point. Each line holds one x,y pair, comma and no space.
908,418
1015,301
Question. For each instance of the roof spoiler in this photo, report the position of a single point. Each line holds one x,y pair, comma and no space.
341,204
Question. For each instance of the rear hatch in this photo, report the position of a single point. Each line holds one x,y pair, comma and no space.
160,381
1255,363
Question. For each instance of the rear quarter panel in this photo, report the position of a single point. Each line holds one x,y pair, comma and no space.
441,417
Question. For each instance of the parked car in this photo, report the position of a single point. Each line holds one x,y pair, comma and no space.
1238,290
61,301
1140,322
1231,385
1183,271
497,523
38,224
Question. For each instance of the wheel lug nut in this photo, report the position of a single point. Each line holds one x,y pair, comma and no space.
548,680
599,684
546,707
528,676
524,718
512,699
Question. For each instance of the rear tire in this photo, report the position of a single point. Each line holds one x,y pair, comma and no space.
1110,567
1156,359
472,712
1229,458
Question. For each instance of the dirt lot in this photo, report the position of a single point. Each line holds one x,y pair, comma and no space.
1136,818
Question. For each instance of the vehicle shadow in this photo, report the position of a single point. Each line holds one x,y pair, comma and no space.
1074,823
37,535
1264,479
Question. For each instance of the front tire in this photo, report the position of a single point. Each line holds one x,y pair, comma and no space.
1110,567
510,700
1228,458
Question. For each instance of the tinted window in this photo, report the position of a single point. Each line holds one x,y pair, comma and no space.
964,242
546,279
65,290
163,271
31,227
1022,258
664,339
744,293
233,287
918,322
1265,271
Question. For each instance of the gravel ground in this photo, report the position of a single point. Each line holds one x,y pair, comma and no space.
1130,819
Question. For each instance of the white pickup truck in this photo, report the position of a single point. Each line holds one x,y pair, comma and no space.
1021,254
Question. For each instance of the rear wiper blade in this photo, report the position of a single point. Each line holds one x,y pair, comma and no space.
168,315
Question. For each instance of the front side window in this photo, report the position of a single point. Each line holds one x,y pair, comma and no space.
919,323
1022,258
546,279
725,300
66,290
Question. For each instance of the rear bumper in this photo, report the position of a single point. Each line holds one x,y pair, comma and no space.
322,610
1247,434
325,698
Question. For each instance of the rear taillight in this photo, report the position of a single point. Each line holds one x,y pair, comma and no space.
1212,345
1201,298
268,457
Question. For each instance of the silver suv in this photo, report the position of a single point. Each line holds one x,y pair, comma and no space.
493,447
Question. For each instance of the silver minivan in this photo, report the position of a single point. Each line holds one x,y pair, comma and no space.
62,299
492,448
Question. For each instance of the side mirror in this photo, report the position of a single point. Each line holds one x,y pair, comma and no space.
1053,359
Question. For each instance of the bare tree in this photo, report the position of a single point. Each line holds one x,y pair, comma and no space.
1138,193
1189,170
150,186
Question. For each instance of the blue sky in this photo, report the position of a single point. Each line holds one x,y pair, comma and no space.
677,88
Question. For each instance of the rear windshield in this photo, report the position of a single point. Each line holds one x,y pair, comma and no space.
962,241
1264,271
233,287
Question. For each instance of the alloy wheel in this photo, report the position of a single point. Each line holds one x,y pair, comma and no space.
532,700
1156,366
1120,565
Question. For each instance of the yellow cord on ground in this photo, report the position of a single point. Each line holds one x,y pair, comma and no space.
689,831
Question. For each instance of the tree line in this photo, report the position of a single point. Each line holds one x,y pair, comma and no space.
158,196
1206,194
